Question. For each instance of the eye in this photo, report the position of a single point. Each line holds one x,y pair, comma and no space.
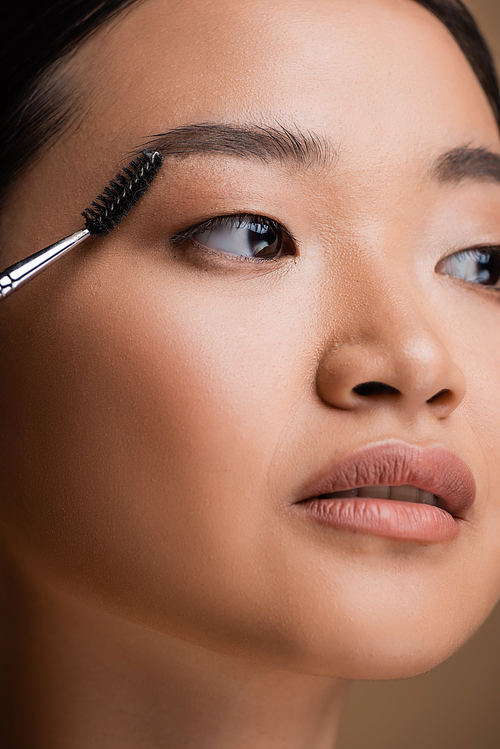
480,266
245,235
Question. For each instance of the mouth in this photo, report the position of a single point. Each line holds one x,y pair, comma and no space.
405,493
393,489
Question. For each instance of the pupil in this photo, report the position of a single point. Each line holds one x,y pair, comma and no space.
488,268
263,240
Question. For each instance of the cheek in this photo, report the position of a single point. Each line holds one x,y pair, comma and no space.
481,414
142,434
469,325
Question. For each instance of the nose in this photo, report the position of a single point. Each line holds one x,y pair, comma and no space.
391,353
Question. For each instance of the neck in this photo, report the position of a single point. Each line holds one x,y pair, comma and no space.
77,677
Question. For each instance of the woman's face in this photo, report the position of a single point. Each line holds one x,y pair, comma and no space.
164,403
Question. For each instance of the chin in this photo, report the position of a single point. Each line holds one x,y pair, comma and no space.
376,659
359,644
343,650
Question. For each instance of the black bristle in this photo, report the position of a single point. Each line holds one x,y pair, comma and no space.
122,193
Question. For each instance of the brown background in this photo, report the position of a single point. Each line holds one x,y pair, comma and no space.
457,705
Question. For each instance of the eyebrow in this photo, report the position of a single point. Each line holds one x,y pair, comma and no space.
466,163
252,142
286,146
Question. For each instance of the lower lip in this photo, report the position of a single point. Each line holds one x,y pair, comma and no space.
390,518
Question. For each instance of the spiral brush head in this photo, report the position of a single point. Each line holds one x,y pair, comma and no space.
122,193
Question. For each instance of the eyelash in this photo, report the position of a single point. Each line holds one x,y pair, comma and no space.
235,221
232,221
477,254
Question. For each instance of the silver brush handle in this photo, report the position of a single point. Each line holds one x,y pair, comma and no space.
20,273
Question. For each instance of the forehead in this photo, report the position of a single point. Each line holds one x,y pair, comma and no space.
365,73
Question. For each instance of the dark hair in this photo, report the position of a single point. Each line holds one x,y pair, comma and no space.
38,104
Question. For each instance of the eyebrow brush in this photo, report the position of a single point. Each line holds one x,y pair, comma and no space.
116,200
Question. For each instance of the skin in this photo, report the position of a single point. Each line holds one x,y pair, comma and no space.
161,409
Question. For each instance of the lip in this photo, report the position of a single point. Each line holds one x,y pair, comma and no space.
433,469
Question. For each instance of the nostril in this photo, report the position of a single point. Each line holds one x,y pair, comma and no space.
443,395
375,388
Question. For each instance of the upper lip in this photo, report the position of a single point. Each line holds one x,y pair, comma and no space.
433,469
